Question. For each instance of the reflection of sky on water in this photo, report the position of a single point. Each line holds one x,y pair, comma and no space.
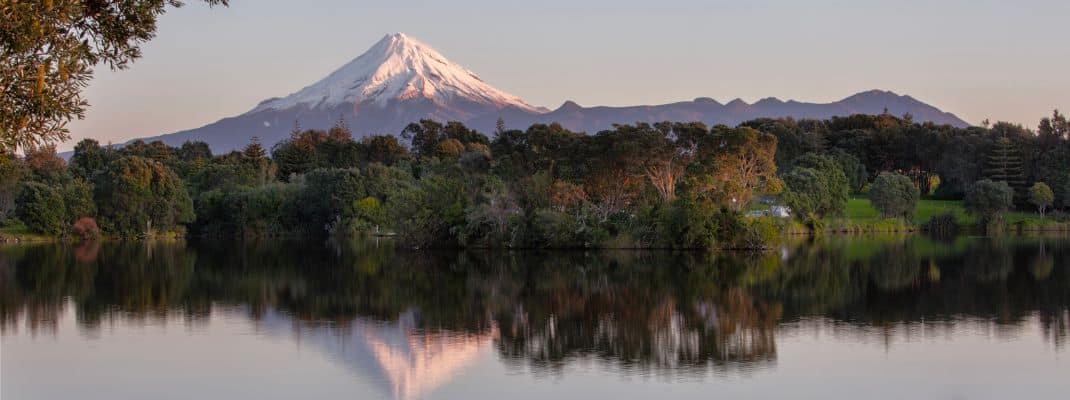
227,354
888,318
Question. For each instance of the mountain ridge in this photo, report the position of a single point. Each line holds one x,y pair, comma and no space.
400,80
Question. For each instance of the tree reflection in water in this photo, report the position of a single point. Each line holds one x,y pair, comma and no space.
419,315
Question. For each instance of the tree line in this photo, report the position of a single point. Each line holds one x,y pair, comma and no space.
666,185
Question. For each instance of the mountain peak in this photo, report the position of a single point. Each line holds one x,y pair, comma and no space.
875,93
397,68
736,103
569,105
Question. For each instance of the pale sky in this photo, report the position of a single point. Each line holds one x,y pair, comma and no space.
1001,60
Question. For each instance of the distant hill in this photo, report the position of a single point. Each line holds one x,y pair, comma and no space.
401,80
712,112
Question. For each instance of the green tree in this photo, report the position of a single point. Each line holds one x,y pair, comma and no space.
41,208
1041,196
426,136
77,200
254,158
194,152
384,149
1055,127
989,200
254,151
804,193
1004,164
298,155
138,196
818,188
12,172
89,159
328,196
853,168
48,49
894,195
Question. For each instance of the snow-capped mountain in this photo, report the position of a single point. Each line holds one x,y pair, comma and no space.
397,68
400,80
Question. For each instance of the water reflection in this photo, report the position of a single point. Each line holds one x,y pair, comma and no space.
411,321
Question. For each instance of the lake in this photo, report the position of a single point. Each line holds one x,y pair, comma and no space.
830,318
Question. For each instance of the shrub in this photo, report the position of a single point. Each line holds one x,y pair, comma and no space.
689,223
758,234
894,195
425,213
368,214
941,225
989,200
85,228
269,210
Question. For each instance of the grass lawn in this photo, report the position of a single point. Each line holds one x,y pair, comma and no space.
860,210
21,232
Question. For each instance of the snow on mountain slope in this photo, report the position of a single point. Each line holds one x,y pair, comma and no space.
397,68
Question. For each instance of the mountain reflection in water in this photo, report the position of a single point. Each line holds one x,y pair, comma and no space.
411,320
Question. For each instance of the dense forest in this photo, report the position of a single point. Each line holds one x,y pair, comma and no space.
664,185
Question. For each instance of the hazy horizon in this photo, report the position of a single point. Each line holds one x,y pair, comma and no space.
978,60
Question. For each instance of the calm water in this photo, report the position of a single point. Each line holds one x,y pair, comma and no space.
894,317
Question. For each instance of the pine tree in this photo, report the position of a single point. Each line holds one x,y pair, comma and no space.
1004,164
499,126
255,156
254,151
340,132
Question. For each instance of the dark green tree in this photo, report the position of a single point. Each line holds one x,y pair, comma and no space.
1004,164
383,149
12,171
827,196
194,152
41,208
89,158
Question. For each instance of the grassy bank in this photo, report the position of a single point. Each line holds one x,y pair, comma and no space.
861,217
17,232
20,233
